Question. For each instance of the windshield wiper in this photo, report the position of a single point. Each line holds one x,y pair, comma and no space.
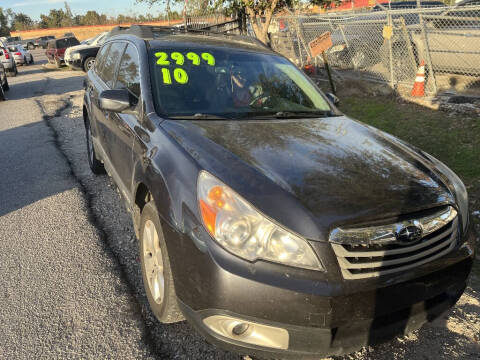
287,114
301,114
199,116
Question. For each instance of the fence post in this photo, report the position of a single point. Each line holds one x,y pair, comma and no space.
300,41
431,73
409,43
390,50
340,26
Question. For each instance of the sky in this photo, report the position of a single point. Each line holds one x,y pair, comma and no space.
34,8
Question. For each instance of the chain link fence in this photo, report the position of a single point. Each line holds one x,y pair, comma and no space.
389,45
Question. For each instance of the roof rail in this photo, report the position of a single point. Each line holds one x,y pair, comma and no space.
155,32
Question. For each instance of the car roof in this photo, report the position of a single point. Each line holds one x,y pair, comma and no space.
158,36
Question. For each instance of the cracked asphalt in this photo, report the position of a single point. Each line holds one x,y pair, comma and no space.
71,284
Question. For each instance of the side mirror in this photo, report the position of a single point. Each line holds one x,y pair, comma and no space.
115,100
333,98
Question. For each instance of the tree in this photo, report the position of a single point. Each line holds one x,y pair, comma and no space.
55,18
260,12
93,18
4,29
68,16
22,21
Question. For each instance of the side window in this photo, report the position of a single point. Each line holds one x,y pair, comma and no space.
111,60
101,56
129,72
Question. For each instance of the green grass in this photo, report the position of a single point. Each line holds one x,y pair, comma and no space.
453,139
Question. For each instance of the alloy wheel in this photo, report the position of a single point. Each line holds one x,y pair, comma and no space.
90,64
153,262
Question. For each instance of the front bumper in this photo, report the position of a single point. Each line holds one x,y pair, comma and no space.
74,64
323,316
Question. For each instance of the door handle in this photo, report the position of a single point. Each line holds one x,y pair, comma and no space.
142,134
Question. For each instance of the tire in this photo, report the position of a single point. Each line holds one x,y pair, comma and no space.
96,165
31,60
88,63
2,94
153,251
25,63
5,86
14,72
58,63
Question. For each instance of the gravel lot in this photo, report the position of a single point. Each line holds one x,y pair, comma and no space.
72,285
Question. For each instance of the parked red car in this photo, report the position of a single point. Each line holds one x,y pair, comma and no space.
56,49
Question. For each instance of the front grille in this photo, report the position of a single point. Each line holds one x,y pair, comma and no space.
381,257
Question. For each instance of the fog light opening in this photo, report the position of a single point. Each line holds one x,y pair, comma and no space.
248,332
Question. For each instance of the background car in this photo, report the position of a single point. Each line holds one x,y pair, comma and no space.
3,82
42,41
8,61
56,49
20,55
14,39
82,57
28,44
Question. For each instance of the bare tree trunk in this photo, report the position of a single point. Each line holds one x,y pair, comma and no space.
261,30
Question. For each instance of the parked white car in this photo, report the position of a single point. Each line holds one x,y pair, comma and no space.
20,54
6,58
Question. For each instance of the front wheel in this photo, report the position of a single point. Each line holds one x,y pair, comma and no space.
2,94
156,271
95,165
31,59
58,63
88,64
14,72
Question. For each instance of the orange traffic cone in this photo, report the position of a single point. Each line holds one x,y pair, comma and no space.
419,85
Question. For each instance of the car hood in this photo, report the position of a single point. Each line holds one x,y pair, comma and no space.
341,170
76,48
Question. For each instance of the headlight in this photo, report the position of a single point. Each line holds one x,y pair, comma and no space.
76,56
241,229
458,187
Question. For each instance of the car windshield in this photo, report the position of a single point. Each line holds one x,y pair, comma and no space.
12,48
224,83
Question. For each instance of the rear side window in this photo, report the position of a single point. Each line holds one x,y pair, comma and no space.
112,58
101,56
61,44
129,72
72,42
